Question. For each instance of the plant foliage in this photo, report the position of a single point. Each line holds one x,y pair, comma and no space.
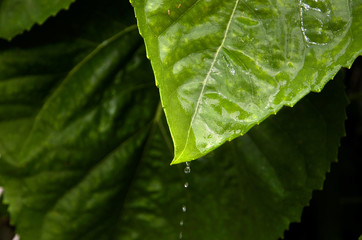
253,57
85,144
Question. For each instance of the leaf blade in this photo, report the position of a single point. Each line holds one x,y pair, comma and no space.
266,61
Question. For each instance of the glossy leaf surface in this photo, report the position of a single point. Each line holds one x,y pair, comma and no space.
227,65
20,15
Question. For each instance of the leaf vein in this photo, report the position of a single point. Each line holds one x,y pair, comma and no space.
204,83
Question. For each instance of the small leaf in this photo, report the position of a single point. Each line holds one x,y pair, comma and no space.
20,15
227,65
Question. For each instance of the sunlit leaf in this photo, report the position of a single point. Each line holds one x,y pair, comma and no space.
227,65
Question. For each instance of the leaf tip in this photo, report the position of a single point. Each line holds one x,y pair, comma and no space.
175,161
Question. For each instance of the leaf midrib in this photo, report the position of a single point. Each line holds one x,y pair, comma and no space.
204,82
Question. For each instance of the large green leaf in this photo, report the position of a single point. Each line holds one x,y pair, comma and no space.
227,65
36,62
75,141
17,16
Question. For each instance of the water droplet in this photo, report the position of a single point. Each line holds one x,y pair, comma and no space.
16,237
186,185
180,235
187,170
184,208
232,71
181,223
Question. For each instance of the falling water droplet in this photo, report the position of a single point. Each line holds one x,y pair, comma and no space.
16,237
184,208
187,168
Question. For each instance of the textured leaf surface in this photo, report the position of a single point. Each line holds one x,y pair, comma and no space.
227,65
16,16
70,96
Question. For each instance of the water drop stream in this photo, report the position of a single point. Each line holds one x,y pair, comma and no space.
187,171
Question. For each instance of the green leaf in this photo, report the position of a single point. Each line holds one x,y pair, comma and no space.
34,64
98,113
20,15
228,65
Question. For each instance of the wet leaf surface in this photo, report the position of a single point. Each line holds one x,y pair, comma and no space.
228,65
